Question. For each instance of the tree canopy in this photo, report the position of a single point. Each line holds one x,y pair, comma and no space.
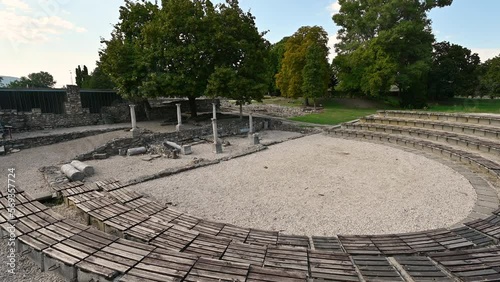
34,80
454,72
178,48
490,77
385,43
81,75
290,79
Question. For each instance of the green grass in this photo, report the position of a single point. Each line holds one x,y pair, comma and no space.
467,106
336,113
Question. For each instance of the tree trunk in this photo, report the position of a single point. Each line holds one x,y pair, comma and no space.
306,102
192,106
314,104
241,110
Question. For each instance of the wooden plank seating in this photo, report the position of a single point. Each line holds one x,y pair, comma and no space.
286,258
215,270
293,241
65,186
79,190
98,216
245,253
208,246
478,238
471,265
185,220
147,230
175,238
109,184
149,209
124,196
262,237
489,226
161,265
331,266
74,200
422,269
117,225
208,227
327,243
234,232
260,274
359,245
113,260
375,268
391,245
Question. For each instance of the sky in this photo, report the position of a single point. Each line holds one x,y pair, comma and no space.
58,35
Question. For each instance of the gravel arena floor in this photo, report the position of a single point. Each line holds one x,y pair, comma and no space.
313,185
319,185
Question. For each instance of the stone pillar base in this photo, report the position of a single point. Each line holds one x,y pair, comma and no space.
135,132
254,138
179,127
218,148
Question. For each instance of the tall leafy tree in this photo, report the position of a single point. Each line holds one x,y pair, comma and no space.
241,62
290,78
315,74
385,43
122,57
81,75
180,55
490,77
34,80
454,71
276,55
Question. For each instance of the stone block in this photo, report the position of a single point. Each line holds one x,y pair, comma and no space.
65,270
218,148
100,156
122,152
255,139
187,150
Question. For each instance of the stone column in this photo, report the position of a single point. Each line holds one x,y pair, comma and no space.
73,103
134,130
132,116
215,110
179,117
217,144
250,120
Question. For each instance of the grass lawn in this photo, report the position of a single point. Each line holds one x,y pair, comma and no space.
467,106
336,112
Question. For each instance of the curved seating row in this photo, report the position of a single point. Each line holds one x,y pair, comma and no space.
452,117
462,140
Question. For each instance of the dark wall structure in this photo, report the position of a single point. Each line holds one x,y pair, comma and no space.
35,109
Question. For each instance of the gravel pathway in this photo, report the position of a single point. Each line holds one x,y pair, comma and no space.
320,185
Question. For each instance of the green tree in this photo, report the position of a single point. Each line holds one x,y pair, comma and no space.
385,43
122,57
1,82
180,51
290,78
241,70
34,80
276,55
315,74
81,76
98,80
454,71
490,77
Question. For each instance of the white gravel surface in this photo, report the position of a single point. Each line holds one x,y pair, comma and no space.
320,185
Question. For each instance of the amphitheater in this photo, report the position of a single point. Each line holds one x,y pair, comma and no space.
129,231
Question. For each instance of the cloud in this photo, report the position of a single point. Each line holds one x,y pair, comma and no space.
486,53
332,40
15,5
334,8
31,28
